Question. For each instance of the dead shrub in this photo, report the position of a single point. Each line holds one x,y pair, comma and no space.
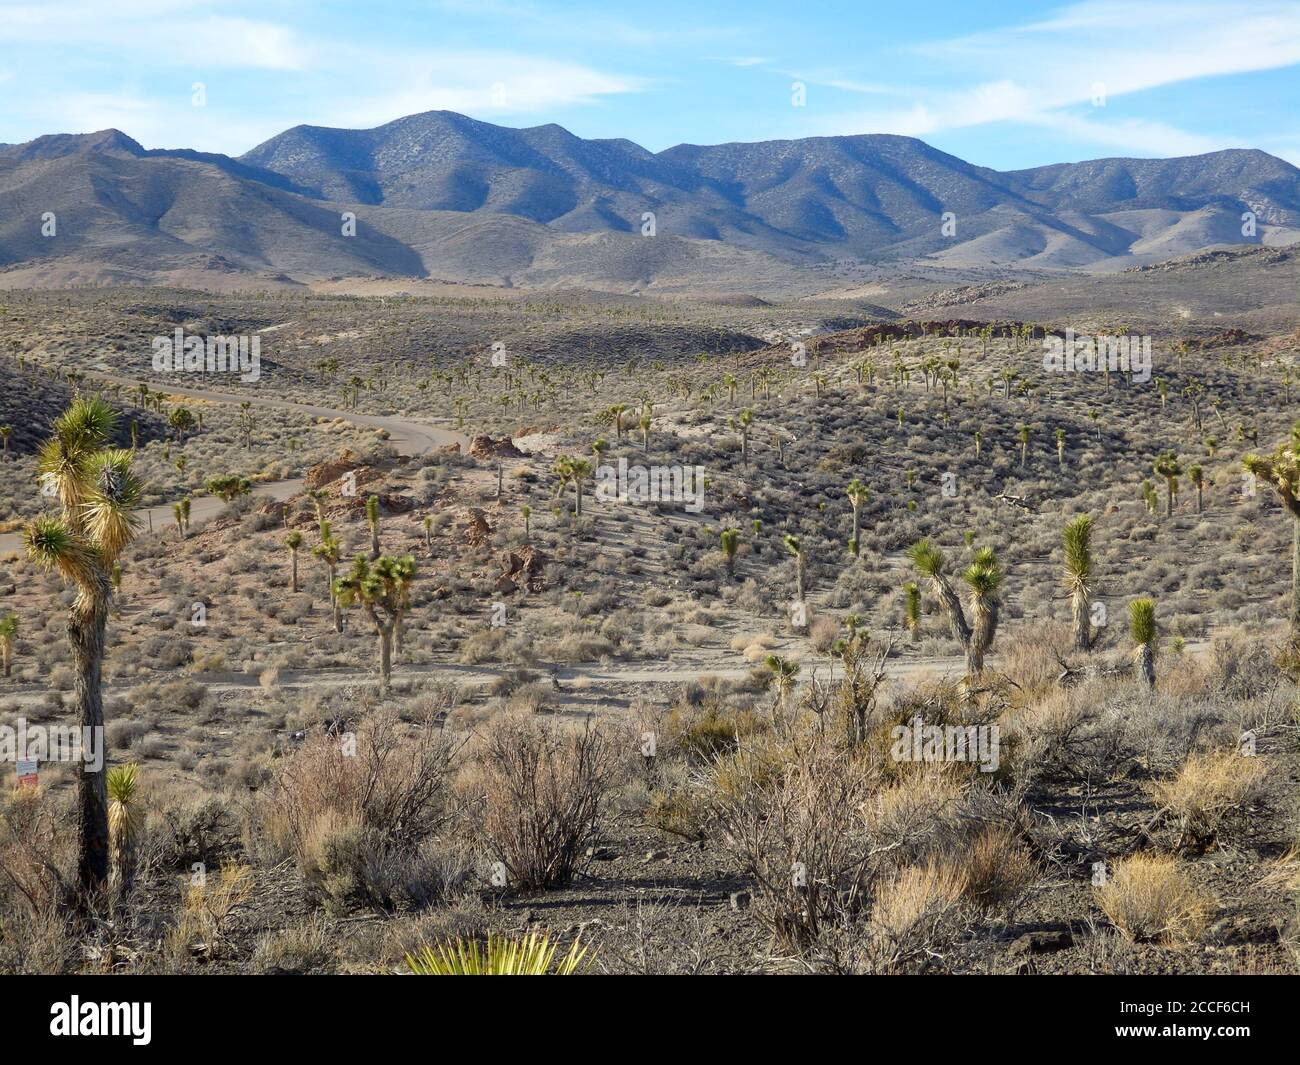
361,814
541,787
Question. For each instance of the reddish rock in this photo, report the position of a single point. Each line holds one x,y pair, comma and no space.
484,446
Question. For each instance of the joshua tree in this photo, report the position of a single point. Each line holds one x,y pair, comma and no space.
97,492
745,419
329,551
1197,475
795,547
372,519
382,589
730,539
647,419
527,512
1078,577
729,382
857,495
912,609
8,633
124,820
293,541
1060,448
6,431
1282,471
783,672
1024,442
984,579
178,512
616,412
1142,627
1167,466
181,421
318,497
1150,497
427,523
230,487
979,443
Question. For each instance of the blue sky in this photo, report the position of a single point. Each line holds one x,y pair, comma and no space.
1007,84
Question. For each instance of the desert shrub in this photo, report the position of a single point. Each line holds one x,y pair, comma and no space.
916,915
207,904
301,948
360,823
1208,790
703,733
541,788
1150,898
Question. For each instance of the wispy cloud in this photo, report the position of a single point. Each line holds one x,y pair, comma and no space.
1086,55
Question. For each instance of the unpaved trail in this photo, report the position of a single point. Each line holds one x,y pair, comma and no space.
939,667
407,438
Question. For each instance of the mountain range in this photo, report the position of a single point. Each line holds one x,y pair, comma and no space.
440,195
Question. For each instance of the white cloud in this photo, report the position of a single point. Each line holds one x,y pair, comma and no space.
1061,62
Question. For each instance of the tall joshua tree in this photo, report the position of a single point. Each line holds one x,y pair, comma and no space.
329,551
1060,448
912,609
983,578
795,546
1282,471
647,419
372,519
746,419
1197,475
857,495
1023,434
1078,577
97,492
6,431
1142,627
382,590
730,540
8,633
1168,467
293,541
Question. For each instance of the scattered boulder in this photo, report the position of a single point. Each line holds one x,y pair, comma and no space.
523,570
477,529
324,473
484,446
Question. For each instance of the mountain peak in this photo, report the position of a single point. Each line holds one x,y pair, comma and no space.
58,145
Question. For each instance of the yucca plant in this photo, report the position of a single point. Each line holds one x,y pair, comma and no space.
372,519
8,634
533,955
745,419
293,542
912,609
1168,467
1197,474
97,492
1142,628
857,494
730,541
382,590
1281,470
329,551
795,546
1078,577
124,818
984,579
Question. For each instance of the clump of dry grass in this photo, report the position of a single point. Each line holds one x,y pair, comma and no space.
1210,789
1151,899
915,912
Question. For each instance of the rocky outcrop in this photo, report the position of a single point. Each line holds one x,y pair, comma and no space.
483,446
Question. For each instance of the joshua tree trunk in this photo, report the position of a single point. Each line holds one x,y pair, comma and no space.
1082,623
1295,577
857,533
374,541
974,658
1200,498
293,555
86,636
385,651
1146,663
577,498
798,577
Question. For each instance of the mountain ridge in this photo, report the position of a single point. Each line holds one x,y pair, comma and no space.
574,210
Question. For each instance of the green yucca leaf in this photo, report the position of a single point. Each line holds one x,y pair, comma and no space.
1078,551
533,955
927,557
1142,621
52,545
